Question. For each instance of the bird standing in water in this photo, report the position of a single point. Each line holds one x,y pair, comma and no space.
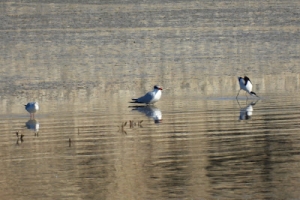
245,84
32,107
151,97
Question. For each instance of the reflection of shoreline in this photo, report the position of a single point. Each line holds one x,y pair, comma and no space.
33,125
150,111
246,112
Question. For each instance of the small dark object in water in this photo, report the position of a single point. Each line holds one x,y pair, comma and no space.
69,142
21,138
131,124
121,128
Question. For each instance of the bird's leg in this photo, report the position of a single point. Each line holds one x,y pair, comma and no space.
238,94
238,103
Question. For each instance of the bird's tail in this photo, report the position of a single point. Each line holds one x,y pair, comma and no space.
133,101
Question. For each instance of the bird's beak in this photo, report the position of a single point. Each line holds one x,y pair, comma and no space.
160,88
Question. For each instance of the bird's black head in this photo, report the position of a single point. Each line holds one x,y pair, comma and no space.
248,116
246,78
157,87
157,121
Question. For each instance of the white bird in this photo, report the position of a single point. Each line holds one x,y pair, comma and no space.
151,97
245,84
32,107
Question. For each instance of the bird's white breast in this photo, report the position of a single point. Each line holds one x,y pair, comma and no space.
156,97
245,86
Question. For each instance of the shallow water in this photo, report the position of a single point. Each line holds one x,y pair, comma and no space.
84,62
202,149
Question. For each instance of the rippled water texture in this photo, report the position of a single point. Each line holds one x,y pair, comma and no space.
83,62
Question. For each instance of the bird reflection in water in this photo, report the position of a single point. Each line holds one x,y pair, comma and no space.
246,112
33,124
150,111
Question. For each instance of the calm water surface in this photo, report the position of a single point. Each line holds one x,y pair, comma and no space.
203,149
84,62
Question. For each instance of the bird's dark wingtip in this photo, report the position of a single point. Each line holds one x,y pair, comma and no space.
136,102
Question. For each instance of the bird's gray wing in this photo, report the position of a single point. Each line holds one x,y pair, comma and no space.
146,98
